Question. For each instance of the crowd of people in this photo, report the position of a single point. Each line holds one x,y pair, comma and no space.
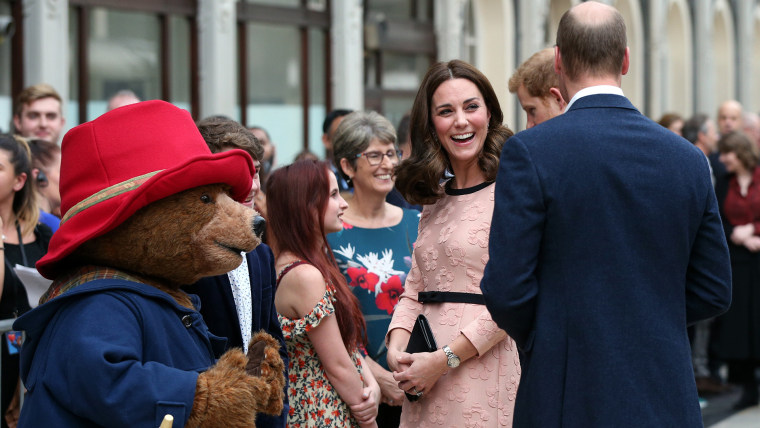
593,267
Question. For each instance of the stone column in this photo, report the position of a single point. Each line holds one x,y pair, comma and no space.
347,42
217,37
704,79
46,49
449,29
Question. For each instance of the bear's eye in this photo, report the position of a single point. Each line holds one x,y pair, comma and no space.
206,199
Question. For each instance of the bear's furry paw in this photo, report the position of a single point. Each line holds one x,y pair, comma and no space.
227,396
264,361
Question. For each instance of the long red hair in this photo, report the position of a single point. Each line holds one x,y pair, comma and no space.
297,197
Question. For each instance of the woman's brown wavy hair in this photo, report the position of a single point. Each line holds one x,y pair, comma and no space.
418,177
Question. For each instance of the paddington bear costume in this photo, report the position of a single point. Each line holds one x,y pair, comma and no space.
119,345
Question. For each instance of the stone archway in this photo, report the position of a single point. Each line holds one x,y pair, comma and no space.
723,50
633,82
679,77
754,104
495,30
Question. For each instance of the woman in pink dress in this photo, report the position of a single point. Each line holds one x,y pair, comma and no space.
457,135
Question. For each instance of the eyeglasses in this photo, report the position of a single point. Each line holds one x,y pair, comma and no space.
376,158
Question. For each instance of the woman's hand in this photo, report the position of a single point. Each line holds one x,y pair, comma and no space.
424,370
753,243
742,233
365,411
397,341
392,394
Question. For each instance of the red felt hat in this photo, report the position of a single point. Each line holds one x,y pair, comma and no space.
126,159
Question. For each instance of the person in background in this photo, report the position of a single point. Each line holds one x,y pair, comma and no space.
729,116
46,171
537,88
321,320
374,248
672,121
240,303
122,98
598,296
751,127
456,126
305,155
405,148
737,341
25,241
267,164
329,125
37,113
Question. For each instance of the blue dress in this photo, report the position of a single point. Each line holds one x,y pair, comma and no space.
375,263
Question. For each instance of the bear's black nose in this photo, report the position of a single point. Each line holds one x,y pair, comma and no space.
259,226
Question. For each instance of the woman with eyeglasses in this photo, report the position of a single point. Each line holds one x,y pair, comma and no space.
374,248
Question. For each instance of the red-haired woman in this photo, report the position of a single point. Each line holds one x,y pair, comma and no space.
321,320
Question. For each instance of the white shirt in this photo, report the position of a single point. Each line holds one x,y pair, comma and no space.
241,292
595,90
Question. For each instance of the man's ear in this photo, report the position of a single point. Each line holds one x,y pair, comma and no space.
626,61
17,123
557,95
557,61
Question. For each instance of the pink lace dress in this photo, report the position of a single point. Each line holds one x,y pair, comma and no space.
450,255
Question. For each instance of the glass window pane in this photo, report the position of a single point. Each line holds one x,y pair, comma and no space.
274,87
395,107
6,101
390,9
72,108
404,71
179,57
124,54
286,3
317,90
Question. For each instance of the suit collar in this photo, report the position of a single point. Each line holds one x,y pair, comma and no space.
601,100
594,90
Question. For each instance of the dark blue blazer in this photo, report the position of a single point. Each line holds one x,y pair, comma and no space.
605,243
219,312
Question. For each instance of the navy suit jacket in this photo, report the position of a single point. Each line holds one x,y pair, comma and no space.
605,243
219,312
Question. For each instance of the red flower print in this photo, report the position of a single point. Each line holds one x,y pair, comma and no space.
360,277
347,226
388,298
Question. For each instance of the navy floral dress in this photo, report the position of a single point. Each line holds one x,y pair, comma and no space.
375,263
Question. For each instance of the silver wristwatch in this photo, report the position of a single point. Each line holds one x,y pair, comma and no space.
453,359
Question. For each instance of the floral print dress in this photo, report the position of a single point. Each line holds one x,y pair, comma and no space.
314,402
375,263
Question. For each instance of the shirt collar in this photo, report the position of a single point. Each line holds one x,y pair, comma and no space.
595,90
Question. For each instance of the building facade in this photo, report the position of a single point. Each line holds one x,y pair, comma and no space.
282,64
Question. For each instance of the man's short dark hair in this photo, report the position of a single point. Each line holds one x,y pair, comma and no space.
332,116
693,126
221,133
597,49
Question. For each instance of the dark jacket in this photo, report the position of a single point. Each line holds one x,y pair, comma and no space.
605,243
219,313
112,353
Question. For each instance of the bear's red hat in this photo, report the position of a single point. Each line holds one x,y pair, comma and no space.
126,159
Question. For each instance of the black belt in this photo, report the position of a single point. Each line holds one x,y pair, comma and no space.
451,297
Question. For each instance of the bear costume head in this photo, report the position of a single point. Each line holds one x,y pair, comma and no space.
115,342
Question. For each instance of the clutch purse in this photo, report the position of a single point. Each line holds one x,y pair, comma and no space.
421,340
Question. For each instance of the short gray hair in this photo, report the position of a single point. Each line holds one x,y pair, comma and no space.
356,131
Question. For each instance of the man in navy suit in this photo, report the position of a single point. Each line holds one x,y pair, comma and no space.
239,303
605,243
